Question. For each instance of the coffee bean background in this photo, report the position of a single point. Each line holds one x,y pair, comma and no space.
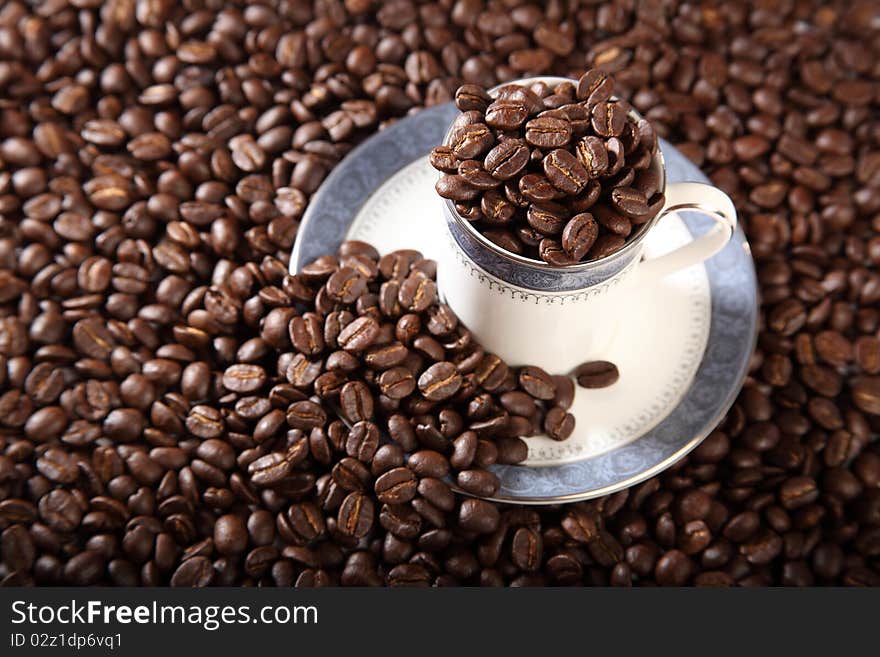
155,158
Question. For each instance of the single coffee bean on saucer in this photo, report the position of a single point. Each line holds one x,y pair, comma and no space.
596,374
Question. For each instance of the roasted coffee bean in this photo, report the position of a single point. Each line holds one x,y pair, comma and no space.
496,210
58,466
867,354
417,293
674,568
537,188
564,570
358,334
346,285
505,239
510,451
362,441
476,176
305,521
478,516
507,159
441,320
526,549
230,534
443,159
481,483
616,223
580,525
551,252
471,97
92,338
866,394
594,87
593,155
350,474
356,402
470,141
456,188
440,381
396,486
387,456
491,372
506,114
558,424
608,118
205,422
596,374
437,492
409,575
355,517
428,463
306,415
579,235
518,403
329,384
244,378
18,549
537,383
564,391
529,236
58,509
270,469
307,334
397,383
565,172
605,245
548,132
197,571
302,372
547,218
629,201
464,450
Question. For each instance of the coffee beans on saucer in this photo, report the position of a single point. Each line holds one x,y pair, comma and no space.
559,174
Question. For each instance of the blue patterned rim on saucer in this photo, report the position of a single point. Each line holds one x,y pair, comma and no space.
732,334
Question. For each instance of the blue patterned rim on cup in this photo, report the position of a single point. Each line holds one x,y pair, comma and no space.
732,333
534,274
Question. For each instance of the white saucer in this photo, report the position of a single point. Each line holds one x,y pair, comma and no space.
683,353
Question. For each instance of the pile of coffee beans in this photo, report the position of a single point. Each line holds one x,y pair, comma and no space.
303,411
561,174
155,159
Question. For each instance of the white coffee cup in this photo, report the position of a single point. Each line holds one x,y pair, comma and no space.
530,312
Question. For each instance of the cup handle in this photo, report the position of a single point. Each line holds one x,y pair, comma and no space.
697,197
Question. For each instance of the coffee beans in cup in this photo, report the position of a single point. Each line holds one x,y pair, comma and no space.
561,174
